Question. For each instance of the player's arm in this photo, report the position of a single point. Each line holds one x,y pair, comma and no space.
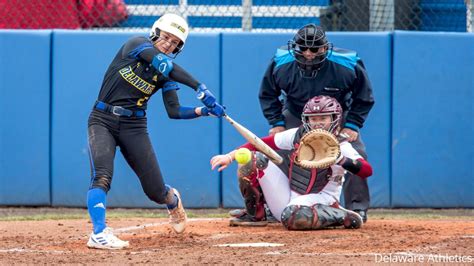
269,140
279,141
142,48
175,72
362,99
174,108
269,101
161,63
351,160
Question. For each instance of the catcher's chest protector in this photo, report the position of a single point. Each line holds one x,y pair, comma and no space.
305,181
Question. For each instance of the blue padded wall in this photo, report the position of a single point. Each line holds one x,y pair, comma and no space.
183,148
241,82
433,145
24,134
245,58
418,137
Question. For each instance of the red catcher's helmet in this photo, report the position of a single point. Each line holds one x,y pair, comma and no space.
322,105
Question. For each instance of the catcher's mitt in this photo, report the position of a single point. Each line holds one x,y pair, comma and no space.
318,149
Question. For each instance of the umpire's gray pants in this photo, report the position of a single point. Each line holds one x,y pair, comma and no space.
356,189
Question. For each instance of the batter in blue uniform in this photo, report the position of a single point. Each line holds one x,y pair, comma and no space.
141,67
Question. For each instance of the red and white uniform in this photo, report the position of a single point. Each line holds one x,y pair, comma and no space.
275,182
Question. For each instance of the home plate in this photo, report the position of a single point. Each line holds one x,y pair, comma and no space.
246,245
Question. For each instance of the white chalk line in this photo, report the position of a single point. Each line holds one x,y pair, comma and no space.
139,227
23,250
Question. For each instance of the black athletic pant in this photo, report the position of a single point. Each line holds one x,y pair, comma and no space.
355,188
107,131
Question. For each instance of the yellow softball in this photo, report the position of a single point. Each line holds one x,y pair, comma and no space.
243,155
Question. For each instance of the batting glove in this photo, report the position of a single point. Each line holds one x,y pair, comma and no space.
218,110
205,111
206,97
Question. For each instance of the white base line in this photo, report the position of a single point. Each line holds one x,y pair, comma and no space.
22,250
139,227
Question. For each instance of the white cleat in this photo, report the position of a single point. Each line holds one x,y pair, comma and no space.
178,215
106,240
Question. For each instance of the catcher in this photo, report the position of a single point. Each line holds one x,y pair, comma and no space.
303,192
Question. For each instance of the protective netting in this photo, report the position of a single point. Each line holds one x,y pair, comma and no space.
241,15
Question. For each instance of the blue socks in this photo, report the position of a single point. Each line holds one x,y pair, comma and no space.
96,207
174,203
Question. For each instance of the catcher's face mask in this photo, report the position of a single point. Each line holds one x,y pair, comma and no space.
321,121
319,106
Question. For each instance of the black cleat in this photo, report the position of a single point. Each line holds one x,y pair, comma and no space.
247,220
352,220
363,214
269,217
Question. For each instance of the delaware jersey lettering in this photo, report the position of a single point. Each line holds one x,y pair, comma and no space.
136,81
130,80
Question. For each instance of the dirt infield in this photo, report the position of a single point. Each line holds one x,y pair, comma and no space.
207,240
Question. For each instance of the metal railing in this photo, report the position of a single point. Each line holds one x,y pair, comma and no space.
243,15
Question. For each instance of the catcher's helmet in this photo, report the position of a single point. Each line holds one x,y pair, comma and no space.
173,24
322,105
310,37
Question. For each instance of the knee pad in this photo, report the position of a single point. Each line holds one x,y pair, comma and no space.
102,182
296,217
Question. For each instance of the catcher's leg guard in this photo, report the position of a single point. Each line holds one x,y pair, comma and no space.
295,217
254,214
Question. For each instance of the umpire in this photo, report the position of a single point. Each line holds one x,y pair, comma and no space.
310,66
